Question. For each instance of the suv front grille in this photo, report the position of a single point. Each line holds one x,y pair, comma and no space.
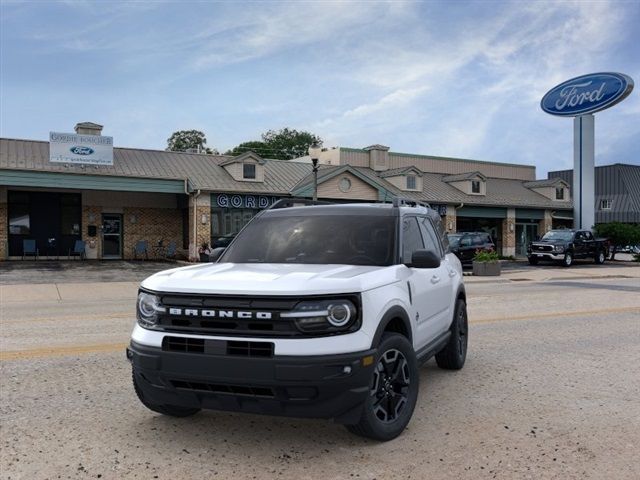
236,316
217,347
248,390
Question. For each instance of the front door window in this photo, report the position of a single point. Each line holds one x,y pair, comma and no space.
112,236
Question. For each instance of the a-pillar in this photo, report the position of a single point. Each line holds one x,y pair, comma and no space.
509,234
199,223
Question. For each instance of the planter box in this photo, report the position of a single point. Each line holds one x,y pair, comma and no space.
486,269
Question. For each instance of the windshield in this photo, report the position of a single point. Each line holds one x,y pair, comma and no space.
318,239
558,235
454,240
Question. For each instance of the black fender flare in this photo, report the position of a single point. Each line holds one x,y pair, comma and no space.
394,312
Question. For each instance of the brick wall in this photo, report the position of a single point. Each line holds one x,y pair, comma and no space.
91,215
545,224
151,224
449,219
202,229
509,233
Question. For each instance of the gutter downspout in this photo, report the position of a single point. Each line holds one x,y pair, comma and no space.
194,250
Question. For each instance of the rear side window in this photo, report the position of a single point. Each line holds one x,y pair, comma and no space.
411,238
478,240
465,241
430,239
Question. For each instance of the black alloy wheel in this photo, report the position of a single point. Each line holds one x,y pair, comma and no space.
454,354
568,259
393,391
600,257
390,388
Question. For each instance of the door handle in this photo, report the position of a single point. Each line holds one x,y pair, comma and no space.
452,273
435,279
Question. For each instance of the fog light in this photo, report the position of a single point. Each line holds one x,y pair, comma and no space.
368,360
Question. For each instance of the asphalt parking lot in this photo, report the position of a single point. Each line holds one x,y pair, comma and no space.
550,390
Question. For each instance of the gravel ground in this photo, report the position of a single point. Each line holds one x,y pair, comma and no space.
550,390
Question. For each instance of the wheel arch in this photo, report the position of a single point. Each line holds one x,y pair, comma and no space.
396,319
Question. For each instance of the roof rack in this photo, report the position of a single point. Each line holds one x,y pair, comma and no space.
297,202
402,202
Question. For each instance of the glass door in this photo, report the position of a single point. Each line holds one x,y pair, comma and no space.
525,233
111,235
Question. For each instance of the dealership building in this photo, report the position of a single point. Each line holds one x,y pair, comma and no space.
125,196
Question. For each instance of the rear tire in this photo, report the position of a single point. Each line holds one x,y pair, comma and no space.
454,354
169,410
567,261
393,390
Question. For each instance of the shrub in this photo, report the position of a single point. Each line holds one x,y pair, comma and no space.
484,256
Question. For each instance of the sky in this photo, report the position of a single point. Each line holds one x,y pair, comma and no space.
450,78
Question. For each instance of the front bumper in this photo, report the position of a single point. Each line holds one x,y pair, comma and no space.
546,256
324,386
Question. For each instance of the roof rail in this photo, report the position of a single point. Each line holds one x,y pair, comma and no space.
400,202
297,202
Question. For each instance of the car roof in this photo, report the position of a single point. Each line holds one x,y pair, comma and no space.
369,209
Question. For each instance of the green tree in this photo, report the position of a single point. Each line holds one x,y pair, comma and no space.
183,140
283,144
619,234
255,146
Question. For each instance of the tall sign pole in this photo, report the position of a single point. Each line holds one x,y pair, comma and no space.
584,214
580,97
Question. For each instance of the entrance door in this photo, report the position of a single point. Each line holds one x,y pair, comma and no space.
525,233
111,235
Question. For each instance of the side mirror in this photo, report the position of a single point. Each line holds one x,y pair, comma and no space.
216,254
424,259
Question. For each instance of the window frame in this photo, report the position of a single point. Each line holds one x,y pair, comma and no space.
606,204
244,171
559,193
473,184
414,180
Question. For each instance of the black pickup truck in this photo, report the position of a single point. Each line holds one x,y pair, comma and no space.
566,245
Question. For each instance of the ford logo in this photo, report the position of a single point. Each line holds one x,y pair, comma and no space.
587,94
81,150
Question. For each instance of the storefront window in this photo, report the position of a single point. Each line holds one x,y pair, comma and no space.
70,214
19,219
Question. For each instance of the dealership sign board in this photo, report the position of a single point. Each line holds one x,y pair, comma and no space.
80,149
587,94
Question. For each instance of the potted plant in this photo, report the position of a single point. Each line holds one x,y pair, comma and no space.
204,252
486,263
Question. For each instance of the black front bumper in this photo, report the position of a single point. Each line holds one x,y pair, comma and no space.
326,386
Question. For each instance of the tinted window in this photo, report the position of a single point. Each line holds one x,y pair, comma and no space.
411,238
316,239
430,240
478,240
465,241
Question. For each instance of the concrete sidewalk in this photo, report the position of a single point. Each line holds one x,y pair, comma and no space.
541,273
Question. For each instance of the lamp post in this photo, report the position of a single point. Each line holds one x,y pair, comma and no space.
314,153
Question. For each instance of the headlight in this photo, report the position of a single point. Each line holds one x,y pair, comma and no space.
324,316
148,308
559,248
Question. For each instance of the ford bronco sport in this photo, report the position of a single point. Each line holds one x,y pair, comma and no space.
322,311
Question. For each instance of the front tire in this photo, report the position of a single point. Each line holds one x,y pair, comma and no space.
393,391
600,257
533,261
169,410
567,261
454,354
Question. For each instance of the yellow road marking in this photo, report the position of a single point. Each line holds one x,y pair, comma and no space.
120,316
114,347
541,316
61,351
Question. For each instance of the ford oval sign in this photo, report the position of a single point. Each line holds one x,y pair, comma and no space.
587,94
81,150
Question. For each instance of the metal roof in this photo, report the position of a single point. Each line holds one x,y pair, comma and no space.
203,171
463,176
393,172
547,182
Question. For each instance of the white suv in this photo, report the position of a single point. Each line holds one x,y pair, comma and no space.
320,311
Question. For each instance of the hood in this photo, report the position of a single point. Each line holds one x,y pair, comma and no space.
272,279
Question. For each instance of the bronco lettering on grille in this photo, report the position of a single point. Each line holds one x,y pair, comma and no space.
192,312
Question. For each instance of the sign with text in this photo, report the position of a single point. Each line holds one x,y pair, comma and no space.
80,149
239,200
587,94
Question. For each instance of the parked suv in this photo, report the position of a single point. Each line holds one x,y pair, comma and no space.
316,311
465,244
